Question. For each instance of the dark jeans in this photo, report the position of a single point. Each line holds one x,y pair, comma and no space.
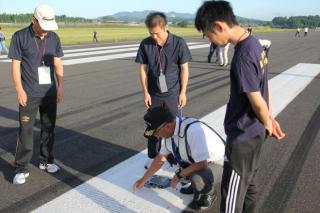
171,102
239,191
47,107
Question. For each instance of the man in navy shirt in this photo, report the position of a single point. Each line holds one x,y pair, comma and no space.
164,72
249,116
36,56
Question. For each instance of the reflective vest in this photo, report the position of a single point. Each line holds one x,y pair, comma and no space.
183,146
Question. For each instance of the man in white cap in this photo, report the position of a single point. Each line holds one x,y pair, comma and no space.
36,57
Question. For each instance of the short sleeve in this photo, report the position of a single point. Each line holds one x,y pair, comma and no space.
248,76
197,143
141,55
15,50
184,52
59,52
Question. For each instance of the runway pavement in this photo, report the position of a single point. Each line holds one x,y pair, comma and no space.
100,123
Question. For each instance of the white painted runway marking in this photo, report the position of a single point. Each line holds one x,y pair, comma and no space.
111,191
112,47
98,51
114,56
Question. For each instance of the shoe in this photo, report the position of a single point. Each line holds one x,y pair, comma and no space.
50,168
187,190
20,178
205,202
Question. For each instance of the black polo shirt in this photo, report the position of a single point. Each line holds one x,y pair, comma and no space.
23,47
174,53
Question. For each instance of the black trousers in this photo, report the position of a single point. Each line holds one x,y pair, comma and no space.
171,102
47,107
239,190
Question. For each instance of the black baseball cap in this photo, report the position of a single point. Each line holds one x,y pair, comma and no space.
155,117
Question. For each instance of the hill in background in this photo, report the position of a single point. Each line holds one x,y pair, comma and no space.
173,17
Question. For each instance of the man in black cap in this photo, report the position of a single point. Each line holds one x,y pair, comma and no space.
195,146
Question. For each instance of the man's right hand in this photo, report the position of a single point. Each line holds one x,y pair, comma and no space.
22,97
277,131
138,184
147,100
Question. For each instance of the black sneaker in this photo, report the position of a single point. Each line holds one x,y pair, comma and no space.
205,202
187,190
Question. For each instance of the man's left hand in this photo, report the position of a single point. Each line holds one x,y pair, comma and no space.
175,180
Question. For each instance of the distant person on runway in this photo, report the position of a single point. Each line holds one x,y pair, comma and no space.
248,120
297,32
213,47
36,57
223,55
249,30
3,48
306,29
164,70
195,146
95,38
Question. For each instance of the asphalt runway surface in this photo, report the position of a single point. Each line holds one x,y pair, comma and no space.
100,125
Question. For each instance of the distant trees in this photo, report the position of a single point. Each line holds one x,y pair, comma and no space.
183,24
297,21
25,18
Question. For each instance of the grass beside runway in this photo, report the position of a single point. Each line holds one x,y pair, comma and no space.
82,34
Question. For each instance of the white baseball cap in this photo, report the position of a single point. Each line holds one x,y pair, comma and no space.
46,18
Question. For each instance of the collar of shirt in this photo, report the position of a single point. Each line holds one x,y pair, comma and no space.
169,40
33,33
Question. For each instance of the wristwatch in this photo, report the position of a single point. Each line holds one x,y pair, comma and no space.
178,173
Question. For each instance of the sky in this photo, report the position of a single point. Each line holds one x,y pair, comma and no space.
258,9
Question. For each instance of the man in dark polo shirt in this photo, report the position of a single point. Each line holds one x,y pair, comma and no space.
164,71
36,60
248,116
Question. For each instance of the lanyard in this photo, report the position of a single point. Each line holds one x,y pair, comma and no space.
42,52
176,153
159,58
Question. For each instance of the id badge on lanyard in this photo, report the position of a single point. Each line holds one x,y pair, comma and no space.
162,77
44,74
163,83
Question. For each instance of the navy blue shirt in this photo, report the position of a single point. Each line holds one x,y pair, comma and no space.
174,53
24,48
249,71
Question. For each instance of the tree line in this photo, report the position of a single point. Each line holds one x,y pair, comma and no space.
297,21
26,18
